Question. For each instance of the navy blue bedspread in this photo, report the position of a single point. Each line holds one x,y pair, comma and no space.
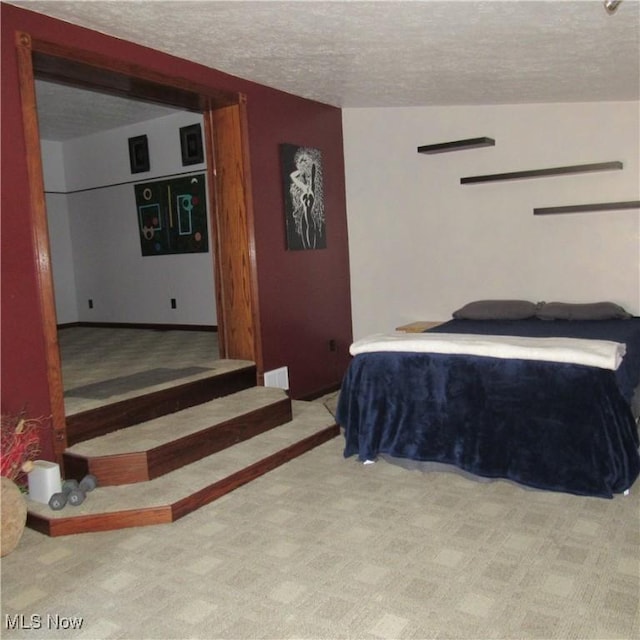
553,426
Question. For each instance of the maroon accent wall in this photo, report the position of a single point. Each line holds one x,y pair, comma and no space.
304,296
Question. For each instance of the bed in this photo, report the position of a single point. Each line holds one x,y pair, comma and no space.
541,421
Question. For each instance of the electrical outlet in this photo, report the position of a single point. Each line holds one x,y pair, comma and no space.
173,303
90,303
332,345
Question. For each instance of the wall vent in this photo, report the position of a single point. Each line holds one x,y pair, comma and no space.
277,378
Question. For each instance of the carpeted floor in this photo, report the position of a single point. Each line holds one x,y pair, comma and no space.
103,364
324,547
133,382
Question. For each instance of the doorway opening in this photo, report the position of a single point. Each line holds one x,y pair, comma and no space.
230,215
120,330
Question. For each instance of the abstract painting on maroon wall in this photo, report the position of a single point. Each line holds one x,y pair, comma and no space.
302,177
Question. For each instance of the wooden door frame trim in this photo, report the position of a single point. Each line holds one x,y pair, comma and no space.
40,235
251,242
69,65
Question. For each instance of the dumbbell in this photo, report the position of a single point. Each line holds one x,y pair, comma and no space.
73,492
70,493
88,483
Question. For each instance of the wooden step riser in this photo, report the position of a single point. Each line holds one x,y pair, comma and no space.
141,466
246,475
102,420
100,522
170,513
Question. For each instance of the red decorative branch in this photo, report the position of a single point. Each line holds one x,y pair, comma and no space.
20,444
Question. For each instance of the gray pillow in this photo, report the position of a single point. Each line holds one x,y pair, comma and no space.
585,311
496,310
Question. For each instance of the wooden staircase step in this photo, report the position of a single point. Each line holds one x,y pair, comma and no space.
150,449
177,493
228,376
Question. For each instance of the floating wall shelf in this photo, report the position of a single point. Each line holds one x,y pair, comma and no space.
543,173
457,145
578,208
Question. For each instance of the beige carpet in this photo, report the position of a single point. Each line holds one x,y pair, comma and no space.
309,419
94,355
324,547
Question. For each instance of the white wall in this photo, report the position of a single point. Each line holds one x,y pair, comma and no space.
421,244
102,245
64,280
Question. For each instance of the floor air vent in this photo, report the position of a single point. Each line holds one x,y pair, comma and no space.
277,378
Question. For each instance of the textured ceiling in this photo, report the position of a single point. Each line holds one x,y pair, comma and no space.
65,112
354,53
